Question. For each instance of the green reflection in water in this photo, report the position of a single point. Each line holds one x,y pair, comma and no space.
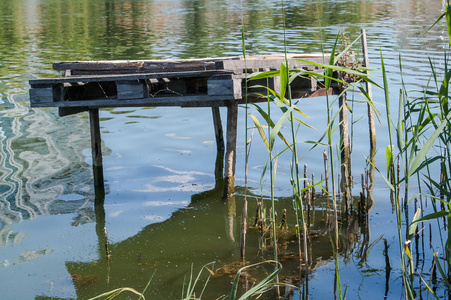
43,156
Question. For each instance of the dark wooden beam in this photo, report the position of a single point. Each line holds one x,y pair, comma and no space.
96,148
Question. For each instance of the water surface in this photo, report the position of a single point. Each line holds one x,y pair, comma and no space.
163,207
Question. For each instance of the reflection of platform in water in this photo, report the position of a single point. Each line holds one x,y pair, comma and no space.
206,231
208,82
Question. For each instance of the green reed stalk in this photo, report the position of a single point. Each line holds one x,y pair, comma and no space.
285,84
260,287
246,157
390,163
327,84
272,170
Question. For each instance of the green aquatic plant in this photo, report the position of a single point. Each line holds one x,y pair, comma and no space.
189,293
116,292
263,286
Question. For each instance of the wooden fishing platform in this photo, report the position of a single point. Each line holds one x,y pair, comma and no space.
208,82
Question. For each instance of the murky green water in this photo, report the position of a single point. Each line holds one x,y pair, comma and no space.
163,208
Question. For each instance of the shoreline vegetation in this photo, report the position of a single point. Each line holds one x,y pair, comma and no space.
419,142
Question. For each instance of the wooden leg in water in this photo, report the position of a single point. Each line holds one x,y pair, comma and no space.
371,121
345,149
97,165
230,157
218,129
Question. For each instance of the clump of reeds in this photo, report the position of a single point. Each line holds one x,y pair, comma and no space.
418,143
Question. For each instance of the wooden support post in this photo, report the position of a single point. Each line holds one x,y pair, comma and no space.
230,157
218,128
345,148
371,121
96,148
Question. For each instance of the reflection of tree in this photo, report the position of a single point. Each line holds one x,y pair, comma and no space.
113,30
138,29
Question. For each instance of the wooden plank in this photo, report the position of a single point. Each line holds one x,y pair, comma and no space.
123,77
227,85
96,148
273,62
166,100
131,89
140,66
169,100
176,65
46,93
67,111
41,95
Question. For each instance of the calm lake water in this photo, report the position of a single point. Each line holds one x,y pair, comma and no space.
163,209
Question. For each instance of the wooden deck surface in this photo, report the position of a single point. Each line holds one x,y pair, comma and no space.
187,83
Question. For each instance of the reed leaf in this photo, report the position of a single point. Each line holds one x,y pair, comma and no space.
428,287
370,102
389,158
387,181
276,130
264,75
192,284
270,123
440,188
439,267
328,74
260,130
433,216
414,225
283,80
260,287
414,166
400,126
116,292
